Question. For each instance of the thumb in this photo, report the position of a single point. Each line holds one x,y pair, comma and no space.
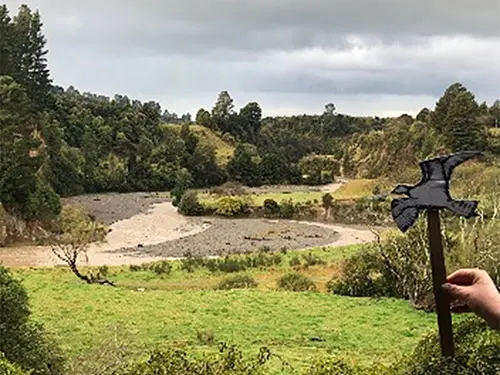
455,291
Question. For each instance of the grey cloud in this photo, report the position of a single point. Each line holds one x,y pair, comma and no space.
192,49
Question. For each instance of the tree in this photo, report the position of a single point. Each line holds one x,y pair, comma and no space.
439,116
464,130
424,115
76,232
249,121
244,166
203,118
330,109
222,111
22,192
29,56
495,112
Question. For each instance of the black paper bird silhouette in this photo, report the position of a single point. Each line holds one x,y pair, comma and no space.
433,191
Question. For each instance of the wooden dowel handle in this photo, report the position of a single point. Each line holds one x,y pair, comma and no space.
438,279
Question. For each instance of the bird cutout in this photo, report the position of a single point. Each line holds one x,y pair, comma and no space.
432,192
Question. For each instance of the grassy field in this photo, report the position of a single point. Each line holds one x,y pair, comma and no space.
351,190
182,310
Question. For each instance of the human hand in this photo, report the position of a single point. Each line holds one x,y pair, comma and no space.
474,290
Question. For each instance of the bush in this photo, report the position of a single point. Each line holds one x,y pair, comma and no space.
287,209
296,282
7,368
237,282
161,268
363,275
271,208
228,361
23,342
295,261
232,206
190,205
477,352
313,260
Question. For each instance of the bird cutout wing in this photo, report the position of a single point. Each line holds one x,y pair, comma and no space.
452,161
406,218
434,169
425,172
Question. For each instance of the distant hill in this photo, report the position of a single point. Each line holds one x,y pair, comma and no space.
224,150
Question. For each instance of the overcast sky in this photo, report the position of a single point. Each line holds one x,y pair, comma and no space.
383,57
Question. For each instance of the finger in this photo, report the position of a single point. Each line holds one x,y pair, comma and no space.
456,292
465,276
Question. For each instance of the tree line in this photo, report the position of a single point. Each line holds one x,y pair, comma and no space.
60,142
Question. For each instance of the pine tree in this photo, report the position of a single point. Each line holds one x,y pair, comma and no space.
27,62
439,116
463,128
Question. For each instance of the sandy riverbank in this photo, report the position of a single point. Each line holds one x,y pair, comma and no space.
146,228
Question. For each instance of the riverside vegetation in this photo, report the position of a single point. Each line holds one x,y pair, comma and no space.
358,310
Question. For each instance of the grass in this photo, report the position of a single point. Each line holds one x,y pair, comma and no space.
223,150
355,189
351,190
173,310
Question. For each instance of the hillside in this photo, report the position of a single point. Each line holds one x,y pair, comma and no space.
223,150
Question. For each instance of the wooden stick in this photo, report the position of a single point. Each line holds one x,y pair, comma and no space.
438,279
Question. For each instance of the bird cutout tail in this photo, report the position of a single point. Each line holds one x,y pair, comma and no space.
464,208
404,214
399,205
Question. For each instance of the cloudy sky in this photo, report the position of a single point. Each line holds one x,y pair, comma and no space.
383,57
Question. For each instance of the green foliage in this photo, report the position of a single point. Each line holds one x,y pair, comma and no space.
229,360
477,352
161,268
237,282
363,275
313,260
7,368
190,205
287,209
319,169
296,282
271,208
22,341
183,181
456,117
233,206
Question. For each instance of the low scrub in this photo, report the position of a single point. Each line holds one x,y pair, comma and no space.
296,282
233,206
229,361
237,282
190,205
7,368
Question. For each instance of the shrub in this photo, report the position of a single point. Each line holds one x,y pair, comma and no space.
477,352
237,282
190,205
22,341
313,260
7,368
271,208
287,209
363,275
206,337
232,206
161,268
295,261
228,361
296,282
